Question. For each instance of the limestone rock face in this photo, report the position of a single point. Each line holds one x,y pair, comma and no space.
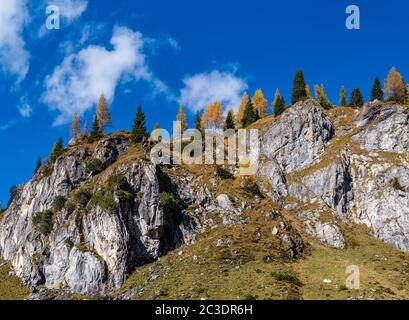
91,248
298,137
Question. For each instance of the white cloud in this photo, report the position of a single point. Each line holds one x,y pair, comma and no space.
7,125
70,9
25,110
76,84
204,88
14,58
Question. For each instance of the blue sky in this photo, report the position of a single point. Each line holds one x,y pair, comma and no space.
160,53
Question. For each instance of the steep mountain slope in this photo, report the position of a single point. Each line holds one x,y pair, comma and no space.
104,213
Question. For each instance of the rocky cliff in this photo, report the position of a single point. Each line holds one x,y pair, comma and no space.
102,210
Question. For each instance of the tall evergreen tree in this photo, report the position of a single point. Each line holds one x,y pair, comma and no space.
299,93
250,115
57,150
230,120
278,104
356,98
343,97
377,92
38,165
139,127
198,122
96,131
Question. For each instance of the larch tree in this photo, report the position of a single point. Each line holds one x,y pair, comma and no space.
240,112
299,93
218,115
230,124
308,91
213,116
156,126
321,96
278,104
139,132
394,86
260,103
75,125
103,115
377,92
181,116
356,98
343,97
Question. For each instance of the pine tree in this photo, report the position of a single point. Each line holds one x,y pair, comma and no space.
278,104
38,165
75,125
96,132
299,93
343,97
394,86
240,112
57,150
260,103
139,127
250,115
230,120
198,122
103,116
356,98
181,116
377,92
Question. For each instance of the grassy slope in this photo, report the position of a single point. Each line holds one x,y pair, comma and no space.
10,286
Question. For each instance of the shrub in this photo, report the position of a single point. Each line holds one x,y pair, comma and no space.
82,196
286,277
44,222
396,185
251,187
58,203
169,202
224,173
123,195
139,197
94,166
117,182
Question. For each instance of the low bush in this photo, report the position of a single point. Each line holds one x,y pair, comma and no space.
94,166
224,173
286,277
169,202
43,222
58,203
396,185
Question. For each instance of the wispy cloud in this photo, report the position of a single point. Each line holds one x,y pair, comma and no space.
14,58
7,125
203,88
25,109
75,85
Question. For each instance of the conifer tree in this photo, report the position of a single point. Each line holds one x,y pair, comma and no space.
260,103
240,112
250,115
103,116
139,127
395,88
75,125
278,104
377,92
156,126
218,115
57,150
343,97
38,165
356,98
181,116
308,91
299,93
198,122
230,120
213,116
321,96
96,132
